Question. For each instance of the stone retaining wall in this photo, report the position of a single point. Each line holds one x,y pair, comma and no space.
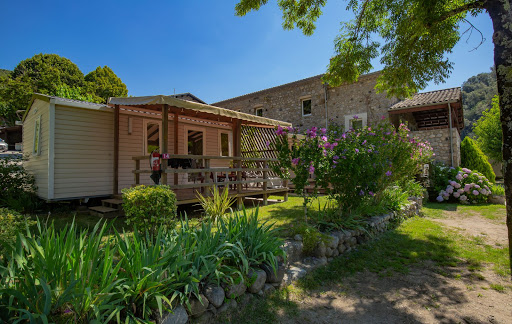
217,300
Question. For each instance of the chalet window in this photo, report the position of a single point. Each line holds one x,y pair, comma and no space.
258,112
225,143
356,123
306,107
152,136
37,137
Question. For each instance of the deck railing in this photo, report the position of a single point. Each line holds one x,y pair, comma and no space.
235,176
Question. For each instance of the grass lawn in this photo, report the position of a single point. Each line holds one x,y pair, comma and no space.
414,241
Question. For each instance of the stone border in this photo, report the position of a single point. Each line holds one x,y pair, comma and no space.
216,300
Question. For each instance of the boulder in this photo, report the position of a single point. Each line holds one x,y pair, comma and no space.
328,252
268,289
320,250
197,307
293,250
229,305
333,241
235,290
177,316
215,295
298,237
205,318
273,277
258,279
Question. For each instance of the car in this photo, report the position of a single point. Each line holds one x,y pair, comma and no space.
3,146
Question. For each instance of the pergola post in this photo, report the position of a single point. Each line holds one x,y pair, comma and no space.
237,149
176,151
115,189
165,139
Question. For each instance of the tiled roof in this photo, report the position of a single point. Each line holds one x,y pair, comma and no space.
429,98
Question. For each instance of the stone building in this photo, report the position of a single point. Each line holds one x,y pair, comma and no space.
309,102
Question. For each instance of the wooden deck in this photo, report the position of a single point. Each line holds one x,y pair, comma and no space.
237,178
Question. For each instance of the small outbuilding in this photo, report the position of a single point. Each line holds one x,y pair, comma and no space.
80,149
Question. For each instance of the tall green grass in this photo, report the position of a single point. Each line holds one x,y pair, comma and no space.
83,276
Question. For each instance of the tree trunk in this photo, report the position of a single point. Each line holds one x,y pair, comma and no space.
501,16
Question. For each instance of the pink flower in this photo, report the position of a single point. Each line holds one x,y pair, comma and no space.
458,176
383,117
324,138
311,168
323,130
475,192
467,187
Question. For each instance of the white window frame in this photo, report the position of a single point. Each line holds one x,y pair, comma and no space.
145,134
349,118
256,108
302,99
37,136
186,128
230,141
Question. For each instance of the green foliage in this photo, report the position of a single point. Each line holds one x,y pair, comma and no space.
311,237
416,35
54,75
474,159
488,131
11,223
18,186
150,207
477,92
497,189
5,73
216,204
440,175
89,276
104,83
76,93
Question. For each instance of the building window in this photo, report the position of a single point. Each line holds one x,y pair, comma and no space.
356,121
225,143
258,112
306,107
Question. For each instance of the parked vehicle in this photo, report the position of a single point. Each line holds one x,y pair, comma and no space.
3,146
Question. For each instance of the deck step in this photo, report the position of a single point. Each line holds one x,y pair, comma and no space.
111,202
102,211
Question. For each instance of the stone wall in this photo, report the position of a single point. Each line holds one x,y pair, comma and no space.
285,102
440,141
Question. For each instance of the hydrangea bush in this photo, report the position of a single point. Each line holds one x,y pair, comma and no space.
467,187
352,165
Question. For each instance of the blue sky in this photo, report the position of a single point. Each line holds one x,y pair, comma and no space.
158,47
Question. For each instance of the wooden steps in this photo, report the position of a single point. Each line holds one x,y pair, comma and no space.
109,208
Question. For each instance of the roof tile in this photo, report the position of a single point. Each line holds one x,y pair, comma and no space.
429,98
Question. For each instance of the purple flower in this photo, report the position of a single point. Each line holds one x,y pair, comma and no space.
357,150
439,198
389,173
323,130
356,117
475,192
311,168
295,161
280,131
369,150
344,136
361,193
335,157
463,198
364,142
383,117
371,193
458,176
267,143
324,138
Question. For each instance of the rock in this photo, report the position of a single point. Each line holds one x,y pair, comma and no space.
295,273
178,316
293,250
298,237
215,295
259,277
246,299
329,259
334,241
273,277
276,284
335,252
328,252
206,317
212,309
322,261
197,307
229,305
234,291
320,250
268,289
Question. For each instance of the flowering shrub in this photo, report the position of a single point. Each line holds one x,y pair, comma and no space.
467,187
351,166
18,186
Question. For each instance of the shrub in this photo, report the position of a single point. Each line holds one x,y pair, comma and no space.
353,165
440,175
216,204
11,223
474,159
150,207
497,189
466,187
18,190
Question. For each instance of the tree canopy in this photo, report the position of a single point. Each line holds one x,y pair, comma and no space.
488,131
54,75
477,94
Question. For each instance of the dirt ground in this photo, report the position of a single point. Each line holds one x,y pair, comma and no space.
421,296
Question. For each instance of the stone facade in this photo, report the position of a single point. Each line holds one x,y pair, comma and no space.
284,102
440,141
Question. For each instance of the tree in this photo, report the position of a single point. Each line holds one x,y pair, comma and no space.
417,35
104,83
477,94
488,131
472,157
